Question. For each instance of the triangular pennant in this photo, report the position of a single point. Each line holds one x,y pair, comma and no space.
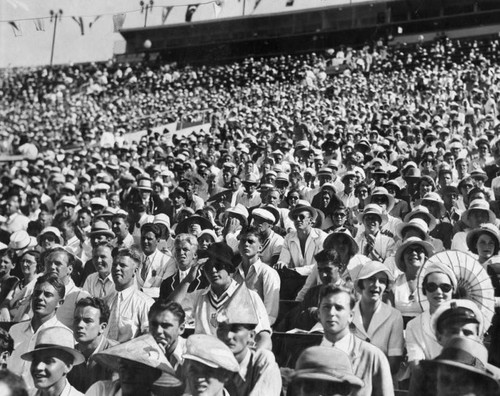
79,20
118,21
16,28
94,21
191,9
217,7
39,24
257,2
165,13
289,3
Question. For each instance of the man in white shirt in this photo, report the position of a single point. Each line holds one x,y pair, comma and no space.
155,265
120,226
128,316
100,284
61,262
48,296
16,221
369,363
258,276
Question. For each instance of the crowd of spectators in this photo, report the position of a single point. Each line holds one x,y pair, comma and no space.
352,194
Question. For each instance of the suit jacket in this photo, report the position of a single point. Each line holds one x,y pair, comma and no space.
169,284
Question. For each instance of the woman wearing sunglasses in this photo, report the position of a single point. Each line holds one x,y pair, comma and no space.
438,285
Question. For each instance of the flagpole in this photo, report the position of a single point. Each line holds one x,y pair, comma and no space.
54,16
146,7
244,6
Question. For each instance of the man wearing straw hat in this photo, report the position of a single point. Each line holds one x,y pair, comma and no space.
142,368
258,374
52,359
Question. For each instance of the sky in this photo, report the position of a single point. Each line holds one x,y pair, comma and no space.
33,48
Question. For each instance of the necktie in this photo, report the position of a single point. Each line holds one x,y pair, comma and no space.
114,318
145,268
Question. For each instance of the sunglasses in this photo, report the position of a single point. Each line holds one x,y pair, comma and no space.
339,214
432,287
301,217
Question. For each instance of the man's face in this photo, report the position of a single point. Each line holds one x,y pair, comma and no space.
339,217
335,313
235,183
371,223
349,183
328,272
57,263
250,188
45,300
303,220
249,246
103,260
185,255
49,367
218,277
67,211
123,271
469,330
166,329
119,227
12,206
149,242
99,240
204,380
445,179
87,325
262,225
273,198
237,337
454,381
84,220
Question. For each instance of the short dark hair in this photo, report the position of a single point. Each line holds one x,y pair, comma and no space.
121,216
328,255
251,230
166,305
96,303
14,383
134,254
54,281
151,227
329,288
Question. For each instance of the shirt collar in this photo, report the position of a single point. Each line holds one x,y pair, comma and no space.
244,365
344,344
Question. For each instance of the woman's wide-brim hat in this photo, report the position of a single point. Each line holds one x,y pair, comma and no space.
488,229
382,191
371,268
482,205
184,225
373,209
339,233
424,212
411,241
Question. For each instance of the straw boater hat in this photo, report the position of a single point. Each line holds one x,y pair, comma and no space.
303,206
55,338
268,213
239,211
100,227
434,198
415,223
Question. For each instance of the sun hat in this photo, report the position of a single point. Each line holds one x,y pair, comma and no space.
319,363
211,352
466,354
302,206
341,232
398,258
487,228
55,338
97,201
68,200
482,205
434,198
417,223
20,240
239,211
51,230
145,185
382,191
421,211
100,227
184,226
265,214
373,209
371,268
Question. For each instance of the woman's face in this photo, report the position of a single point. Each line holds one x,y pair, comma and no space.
485,246
6,265
425,188
414,256
438,296
374,287
28,265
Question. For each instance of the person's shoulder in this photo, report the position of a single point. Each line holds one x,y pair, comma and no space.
368,349
264,357
103,388
19,327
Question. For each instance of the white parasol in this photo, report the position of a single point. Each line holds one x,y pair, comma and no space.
473,281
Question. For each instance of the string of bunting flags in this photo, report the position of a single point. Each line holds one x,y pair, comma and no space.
85,22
